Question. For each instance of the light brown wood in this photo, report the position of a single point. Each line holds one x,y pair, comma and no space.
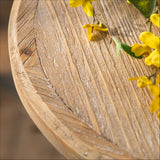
77,91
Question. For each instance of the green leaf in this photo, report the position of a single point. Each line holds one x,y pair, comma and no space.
146,7
118,45
127,49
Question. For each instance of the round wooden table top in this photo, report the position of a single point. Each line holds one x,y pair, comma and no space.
77,91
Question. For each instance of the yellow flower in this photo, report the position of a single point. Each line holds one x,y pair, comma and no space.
91,27
158,114
155,105
150,40
155,91
153,58
155,19
128,1
151,46
140,49
142,82
158,80
86,4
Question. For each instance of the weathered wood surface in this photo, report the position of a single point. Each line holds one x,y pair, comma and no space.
77,91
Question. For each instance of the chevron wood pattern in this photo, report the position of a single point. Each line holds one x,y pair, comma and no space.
77,91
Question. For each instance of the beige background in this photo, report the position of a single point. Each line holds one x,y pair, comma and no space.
19,137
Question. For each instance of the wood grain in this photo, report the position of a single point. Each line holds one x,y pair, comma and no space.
77,91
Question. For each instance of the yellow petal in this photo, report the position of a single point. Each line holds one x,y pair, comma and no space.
143,82
158,114
128,1
90,34
155,90
150,40
89,28
100,25
155,105
153,59
88,8
75,3
101,29
156,60
158,79
140,49
155,19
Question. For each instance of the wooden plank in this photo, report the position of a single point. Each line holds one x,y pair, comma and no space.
56,68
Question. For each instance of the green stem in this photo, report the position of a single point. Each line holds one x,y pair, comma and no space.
150,26
153,75
149,77
94,16
147,21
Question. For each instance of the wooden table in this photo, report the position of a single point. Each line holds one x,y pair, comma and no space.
77,91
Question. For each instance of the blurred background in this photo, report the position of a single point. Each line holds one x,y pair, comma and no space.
19,137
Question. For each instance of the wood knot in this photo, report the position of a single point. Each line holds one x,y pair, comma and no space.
26,52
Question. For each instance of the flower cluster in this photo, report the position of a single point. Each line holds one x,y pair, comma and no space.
88,9
154,89
86,4
91,27
150,46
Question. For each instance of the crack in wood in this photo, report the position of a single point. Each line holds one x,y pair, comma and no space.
63,101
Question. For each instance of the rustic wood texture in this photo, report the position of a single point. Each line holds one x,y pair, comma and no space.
77,91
